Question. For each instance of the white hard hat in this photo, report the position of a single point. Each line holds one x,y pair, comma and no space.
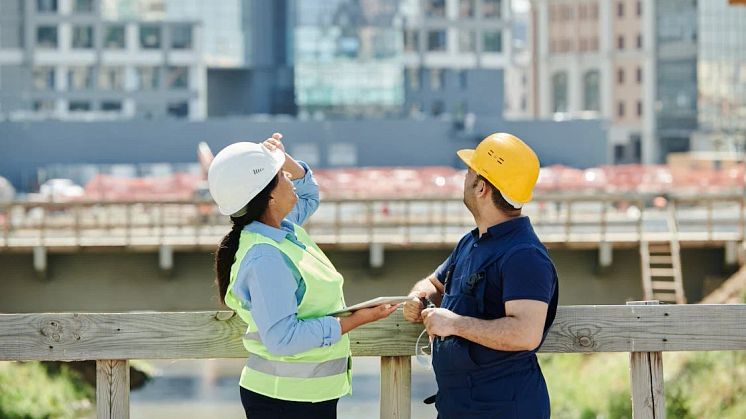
239,172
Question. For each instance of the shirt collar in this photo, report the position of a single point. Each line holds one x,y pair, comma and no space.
503,228
276,234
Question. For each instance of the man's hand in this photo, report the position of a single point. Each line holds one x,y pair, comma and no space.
413,308
440,321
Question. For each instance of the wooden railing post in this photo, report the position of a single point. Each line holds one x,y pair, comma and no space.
6,225
646,379
396,387
112,389
568,219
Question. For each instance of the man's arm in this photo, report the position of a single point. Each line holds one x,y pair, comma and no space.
520,330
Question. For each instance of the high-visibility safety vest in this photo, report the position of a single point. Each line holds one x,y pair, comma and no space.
319,374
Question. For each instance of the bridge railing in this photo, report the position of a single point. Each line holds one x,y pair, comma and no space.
557,219
644,329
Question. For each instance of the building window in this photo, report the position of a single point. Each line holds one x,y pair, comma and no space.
594,11
460,108
467,41
466,8
620,42
148,78
491,8
79,106
493,41
308,152
620,9
436,41
583,44
639,108
639,75
150,37
178,109
44,105
591,91
114,106
44,78
177,77
181,36
559,92
582,12
83,6
114,37
415,108
342,154
639,8
463,79
46,6
437,79
46,37
438,108
83,37
411,40
639,41
620,76
413,78
80,78
620,109
594,43
435,8
111,78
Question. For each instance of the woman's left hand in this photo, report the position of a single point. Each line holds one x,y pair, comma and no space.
274,142
366,315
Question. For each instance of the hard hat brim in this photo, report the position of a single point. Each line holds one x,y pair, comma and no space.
466,155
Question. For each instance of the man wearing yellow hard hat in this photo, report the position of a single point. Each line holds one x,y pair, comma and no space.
492,301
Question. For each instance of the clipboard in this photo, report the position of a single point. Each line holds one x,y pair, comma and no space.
370,303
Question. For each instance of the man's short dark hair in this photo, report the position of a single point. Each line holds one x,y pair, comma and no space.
498,199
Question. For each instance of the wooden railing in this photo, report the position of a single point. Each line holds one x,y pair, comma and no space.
557,219
643,329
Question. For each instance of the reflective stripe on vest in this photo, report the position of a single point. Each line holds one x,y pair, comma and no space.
297,369
252,336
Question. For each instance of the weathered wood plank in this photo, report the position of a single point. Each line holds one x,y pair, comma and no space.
194,335
646,380
396,387
112,389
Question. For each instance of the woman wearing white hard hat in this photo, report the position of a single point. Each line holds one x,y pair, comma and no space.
281,284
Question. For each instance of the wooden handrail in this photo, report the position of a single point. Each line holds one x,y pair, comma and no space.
114,338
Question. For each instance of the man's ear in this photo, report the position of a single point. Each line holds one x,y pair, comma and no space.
481,187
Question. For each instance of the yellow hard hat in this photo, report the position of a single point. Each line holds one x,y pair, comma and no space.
507,163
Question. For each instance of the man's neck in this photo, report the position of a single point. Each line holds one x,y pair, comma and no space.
492,218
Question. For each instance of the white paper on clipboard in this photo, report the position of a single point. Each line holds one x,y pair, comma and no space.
370,303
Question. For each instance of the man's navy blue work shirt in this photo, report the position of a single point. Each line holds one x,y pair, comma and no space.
506,263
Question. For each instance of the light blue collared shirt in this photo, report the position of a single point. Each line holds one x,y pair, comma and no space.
270,285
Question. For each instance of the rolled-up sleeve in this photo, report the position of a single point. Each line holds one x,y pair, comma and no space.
266,285
307,190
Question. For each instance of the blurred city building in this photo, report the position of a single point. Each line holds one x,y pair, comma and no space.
721,70
91,60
